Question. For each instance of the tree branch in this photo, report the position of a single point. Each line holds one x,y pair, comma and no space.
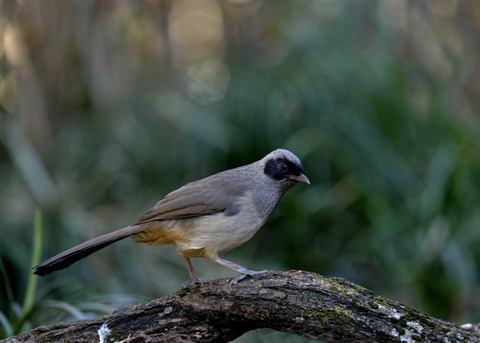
328,309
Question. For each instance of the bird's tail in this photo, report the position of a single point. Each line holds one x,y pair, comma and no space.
70,256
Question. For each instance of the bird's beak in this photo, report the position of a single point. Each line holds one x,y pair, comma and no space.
301,178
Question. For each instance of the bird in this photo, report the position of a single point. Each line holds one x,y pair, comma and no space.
204,218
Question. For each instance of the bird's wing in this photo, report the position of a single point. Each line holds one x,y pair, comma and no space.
214,194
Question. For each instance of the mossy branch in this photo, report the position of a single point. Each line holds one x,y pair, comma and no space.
324,308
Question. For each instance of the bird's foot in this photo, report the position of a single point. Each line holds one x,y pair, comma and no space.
245,275
193,282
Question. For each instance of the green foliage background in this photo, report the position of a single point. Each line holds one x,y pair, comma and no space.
109,105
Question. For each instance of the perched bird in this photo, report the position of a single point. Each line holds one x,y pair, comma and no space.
205,218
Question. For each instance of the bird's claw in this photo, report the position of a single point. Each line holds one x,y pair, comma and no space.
193,282
235,280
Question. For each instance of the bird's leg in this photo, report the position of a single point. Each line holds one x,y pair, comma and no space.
243,271
193,277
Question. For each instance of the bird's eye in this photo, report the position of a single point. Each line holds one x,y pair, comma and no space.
283,167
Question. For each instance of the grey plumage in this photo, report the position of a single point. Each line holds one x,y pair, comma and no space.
207,217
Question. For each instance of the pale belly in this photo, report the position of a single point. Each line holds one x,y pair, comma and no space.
207,236
216,234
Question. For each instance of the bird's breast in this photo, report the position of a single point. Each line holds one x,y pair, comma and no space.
222,232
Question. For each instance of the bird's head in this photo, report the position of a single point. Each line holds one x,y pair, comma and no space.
285,167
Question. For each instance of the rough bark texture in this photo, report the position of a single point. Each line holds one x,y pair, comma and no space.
323,308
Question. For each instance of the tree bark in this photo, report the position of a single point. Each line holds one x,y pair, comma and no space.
318,307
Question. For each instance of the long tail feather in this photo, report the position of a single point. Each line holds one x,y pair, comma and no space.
70,256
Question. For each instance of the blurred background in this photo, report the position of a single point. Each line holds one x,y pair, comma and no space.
106,106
